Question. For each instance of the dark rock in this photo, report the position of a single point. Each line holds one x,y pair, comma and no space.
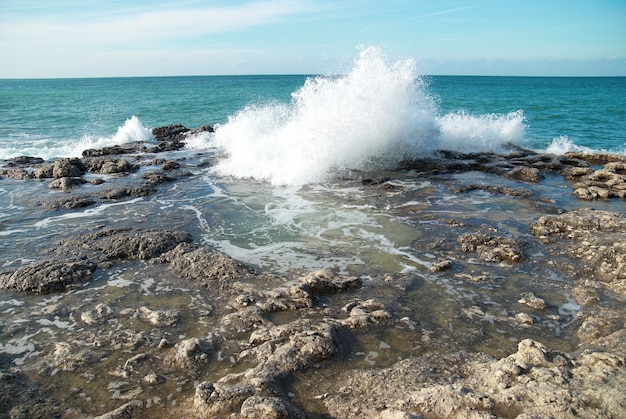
71,167
129,148
107,165
18,174
70,202
172,133
44,171
130,244
25,160
527,174
48,276
66,183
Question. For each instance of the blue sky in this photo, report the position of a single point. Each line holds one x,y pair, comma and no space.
89,38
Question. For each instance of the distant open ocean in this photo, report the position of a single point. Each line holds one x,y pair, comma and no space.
375,109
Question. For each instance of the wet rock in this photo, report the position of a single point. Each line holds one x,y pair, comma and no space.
295,346
524,318
172,133
243,320
527,174
69,202
105,166
605,183
217,399
96,315
363,314
535,381
492,248
68,357
153,379
43,171
531,300
324,281
128,148
209,268
18,174
68,167
441,265
21,398
161,318
129,244
188,353
126,410
596,238
48,276
258,407
66,183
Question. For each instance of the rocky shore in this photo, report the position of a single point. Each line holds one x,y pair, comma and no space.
237,343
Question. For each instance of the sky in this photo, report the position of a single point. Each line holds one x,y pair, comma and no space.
116,38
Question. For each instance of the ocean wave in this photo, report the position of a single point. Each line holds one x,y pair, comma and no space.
374,116
51,148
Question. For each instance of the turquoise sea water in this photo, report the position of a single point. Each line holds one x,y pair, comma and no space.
58,117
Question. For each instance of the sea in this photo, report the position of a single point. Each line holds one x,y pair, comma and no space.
279,185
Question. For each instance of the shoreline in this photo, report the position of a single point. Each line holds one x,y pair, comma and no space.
234,342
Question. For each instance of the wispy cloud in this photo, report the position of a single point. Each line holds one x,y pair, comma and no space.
437,13
145,26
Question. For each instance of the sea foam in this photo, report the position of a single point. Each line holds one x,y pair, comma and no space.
51,148
370,118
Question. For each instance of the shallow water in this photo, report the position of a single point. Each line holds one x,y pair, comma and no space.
387,236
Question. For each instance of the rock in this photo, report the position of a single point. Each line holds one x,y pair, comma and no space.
69,202
126,410
188,353
596,238
129,244
217,399
128,148
96,315
48,276
66,183
18,174
44,171
291,347
68,167
107,165
524,318
527,174
534,381
258,407
492,248
440,265
200,264
159,318
533,301
68,357
173,133
153,379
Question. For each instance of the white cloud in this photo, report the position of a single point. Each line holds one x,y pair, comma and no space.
140,29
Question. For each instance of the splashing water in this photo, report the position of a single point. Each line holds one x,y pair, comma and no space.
371,118
50,148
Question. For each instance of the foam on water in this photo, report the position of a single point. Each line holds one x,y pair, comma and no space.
50,148
563,144
370,118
